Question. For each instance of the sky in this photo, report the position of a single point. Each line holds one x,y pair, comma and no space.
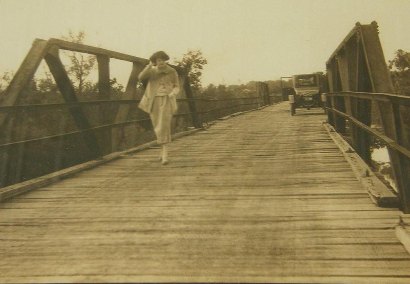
243,40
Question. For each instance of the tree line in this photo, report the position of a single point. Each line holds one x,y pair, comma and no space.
81,66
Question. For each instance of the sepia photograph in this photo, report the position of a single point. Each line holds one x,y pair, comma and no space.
205,141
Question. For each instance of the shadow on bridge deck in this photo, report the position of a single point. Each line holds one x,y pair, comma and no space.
259,197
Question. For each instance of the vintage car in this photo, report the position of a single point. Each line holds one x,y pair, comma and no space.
307,91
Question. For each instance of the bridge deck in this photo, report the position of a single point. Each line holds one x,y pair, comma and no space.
258,197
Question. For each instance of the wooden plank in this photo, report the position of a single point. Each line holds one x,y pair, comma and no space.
378,192
26,186
77,47
96,51
244,200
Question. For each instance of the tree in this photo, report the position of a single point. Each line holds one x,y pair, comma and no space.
116,88
5,80
400,73
275,86
210,91
81,64
46,84
193,61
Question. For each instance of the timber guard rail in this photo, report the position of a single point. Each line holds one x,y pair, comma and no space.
105,136
361,103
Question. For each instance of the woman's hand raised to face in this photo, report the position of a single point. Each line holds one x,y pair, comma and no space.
172,94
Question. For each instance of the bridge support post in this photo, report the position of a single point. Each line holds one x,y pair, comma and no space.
124,109
402,127
24,74
337,103
67,90
20,80
329,113
362,140
357,139
104,93
338,122
262,90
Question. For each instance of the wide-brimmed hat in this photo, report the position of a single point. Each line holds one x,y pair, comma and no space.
159,54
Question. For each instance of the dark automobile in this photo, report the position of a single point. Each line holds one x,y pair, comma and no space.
307,92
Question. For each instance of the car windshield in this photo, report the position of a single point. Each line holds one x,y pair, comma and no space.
305,81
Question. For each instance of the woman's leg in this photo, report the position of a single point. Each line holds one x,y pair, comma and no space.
164,156
161,117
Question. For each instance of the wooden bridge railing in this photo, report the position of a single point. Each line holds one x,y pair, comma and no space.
119,124
356,113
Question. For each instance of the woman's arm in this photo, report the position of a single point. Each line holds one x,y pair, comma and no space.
146,72
175,89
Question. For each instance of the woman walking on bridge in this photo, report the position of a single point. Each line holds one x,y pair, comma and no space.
159,99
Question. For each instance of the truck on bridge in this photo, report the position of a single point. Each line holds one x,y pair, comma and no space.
307,90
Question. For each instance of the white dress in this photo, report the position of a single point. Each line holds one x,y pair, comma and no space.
159,99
